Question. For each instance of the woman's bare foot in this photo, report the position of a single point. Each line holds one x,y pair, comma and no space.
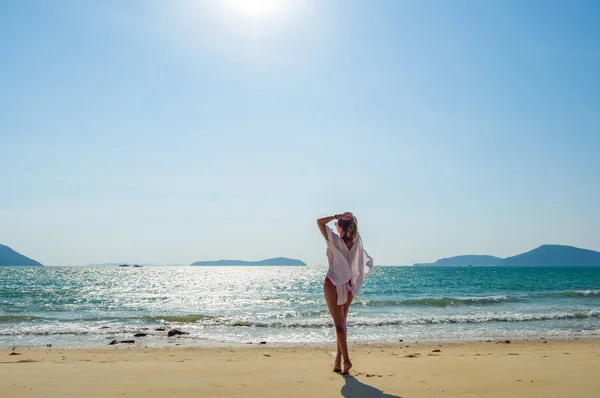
347,367
337,366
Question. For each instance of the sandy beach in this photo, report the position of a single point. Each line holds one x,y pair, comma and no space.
479,369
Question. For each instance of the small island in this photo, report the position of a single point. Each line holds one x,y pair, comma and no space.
277,261
9,257
545,255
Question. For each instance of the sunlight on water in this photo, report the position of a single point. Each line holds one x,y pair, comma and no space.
91,305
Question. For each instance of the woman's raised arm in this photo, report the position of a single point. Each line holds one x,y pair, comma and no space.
322,222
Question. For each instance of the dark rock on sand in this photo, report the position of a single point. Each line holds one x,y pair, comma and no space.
15,353
176,332
140,334
127,341
113,342
436,351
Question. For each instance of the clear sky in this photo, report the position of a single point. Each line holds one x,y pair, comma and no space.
175,131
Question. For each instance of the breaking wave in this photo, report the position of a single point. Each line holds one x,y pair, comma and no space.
445,301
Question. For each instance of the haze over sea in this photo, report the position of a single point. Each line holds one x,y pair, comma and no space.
90,306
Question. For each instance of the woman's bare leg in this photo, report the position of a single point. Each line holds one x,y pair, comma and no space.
338,357
347,363
339,320
337,364
347,305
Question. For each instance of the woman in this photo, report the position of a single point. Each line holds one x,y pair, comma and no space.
349,264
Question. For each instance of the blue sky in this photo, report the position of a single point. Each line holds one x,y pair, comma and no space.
170,132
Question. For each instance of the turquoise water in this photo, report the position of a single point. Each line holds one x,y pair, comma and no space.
89,306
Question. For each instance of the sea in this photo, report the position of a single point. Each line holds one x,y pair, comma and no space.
91,306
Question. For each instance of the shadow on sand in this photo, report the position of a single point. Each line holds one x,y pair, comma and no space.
355,389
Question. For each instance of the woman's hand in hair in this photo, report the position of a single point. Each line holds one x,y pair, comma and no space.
346,216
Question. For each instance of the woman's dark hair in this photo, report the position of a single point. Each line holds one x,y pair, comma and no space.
349,228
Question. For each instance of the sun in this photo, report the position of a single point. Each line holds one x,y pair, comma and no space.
258,9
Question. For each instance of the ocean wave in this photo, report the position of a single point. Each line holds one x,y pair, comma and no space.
574,293
207,323
417,320
444,301
190,318
18,318
48,333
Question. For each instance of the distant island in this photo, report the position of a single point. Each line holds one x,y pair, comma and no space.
545,255
133,265
9,257
270,261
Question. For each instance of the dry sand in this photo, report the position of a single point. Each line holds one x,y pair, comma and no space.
482,369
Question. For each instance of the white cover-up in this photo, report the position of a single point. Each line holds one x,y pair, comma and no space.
347,267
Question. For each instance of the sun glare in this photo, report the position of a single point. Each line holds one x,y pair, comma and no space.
250,19
258,9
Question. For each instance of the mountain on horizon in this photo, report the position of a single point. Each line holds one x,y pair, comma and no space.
545,255
283,261
9,257
555,255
